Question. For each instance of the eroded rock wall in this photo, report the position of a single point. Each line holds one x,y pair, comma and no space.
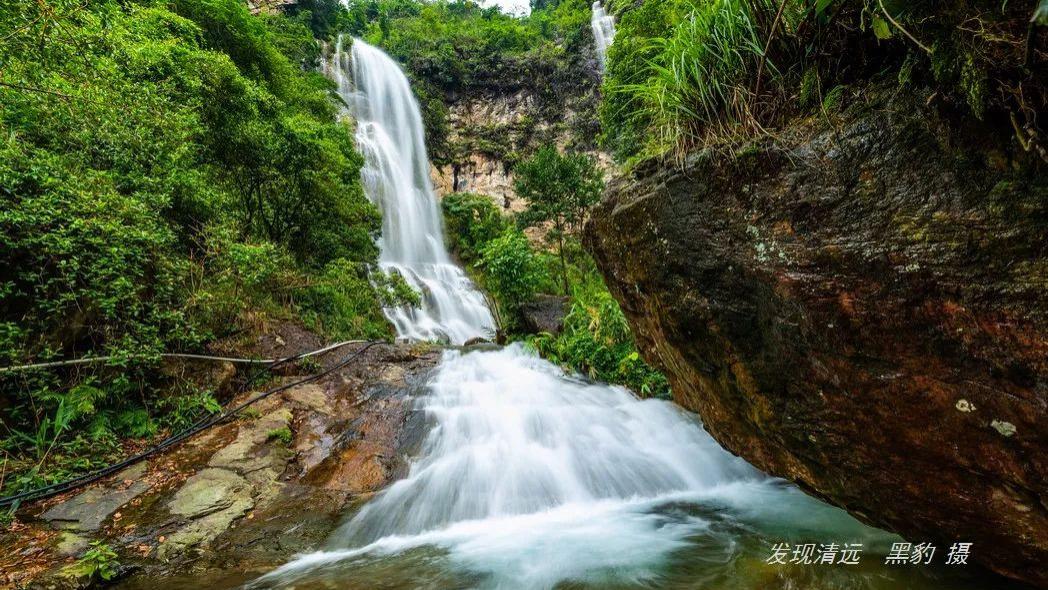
490,134
859,306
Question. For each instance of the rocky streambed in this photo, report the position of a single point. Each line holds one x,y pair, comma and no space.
242,497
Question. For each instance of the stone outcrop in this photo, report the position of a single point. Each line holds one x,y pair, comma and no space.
235,494
487,134
859,306
544,314
491,133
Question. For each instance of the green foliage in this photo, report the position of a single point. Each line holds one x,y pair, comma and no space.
471,222
181,410
332,303
559,190
99,561
512,272
597,341
283,436
455,50
170,172
684,74
669,85
456,46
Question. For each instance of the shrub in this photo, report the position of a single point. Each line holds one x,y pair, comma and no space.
512,272
559,189
596,340
471,222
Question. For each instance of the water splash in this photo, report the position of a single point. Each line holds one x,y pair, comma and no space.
530,477
603,25
396,177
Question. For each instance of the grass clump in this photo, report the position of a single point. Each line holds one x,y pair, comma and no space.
284,436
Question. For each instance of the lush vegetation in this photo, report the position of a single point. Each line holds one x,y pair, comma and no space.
559,188
689,73
171,173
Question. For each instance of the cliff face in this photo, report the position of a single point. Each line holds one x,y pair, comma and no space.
858,306
487,135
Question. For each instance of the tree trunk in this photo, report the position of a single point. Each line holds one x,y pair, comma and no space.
563,262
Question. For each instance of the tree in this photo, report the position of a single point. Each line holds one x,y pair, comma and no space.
559,189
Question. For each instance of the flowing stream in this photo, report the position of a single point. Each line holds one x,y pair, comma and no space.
603,25
533,478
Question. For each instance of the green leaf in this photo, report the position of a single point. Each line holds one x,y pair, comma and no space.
822,5
881,28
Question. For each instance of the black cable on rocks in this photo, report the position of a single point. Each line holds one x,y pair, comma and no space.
201,425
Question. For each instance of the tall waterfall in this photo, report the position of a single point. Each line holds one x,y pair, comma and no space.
531,478
603,25
396,178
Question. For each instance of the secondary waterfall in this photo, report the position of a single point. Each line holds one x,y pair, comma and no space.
530,478
396,177
603,25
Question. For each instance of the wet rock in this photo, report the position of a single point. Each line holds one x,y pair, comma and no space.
311,396
544,314
89,509
249,454
209,491
71,544
861,309
231,503
212,499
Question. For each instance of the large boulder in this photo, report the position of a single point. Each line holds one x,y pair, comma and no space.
859,306
544,314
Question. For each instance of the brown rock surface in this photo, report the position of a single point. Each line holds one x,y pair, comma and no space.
236,500
859,306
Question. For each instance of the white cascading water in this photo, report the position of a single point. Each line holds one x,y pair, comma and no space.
396,178
528,477
603,25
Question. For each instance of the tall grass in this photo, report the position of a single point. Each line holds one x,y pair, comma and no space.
698,84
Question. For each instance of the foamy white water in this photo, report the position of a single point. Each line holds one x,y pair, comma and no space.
603,25
396,177
529,477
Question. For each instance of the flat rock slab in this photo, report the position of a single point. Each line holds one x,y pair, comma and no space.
207,492
87,510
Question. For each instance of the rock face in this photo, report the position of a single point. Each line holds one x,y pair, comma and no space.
545,314
489,134
246,495
860,307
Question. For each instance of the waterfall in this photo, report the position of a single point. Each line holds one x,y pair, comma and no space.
603,25
529,477
396,178
532,479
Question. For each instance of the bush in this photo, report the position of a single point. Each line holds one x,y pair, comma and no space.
596,340
170,171
471,221
512,273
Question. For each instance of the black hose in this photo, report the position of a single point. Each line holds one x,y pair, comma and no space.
172,440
